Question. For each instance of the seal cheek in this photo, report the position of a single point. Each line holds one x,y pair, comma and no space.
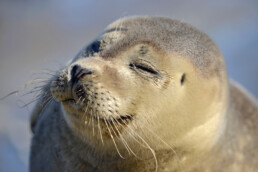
111,72
113,79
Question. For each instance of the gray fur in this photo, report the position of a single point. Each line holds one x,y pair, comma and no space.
171,36
55,147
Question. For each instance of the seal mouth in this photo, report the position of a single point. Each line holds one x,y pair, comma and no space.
72,103
121,119
70,100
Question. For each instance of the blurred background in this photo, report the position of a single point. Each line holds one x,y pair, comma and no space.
37,35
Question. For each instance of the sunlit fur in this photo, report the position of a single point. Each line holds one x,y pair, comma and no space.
134,112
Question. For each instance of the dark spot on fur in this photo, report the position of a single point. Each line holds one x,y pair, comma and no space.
143,50
182,79
126,118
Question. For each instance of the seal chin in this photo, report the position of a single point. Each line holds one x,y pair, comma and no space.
72,103
82,107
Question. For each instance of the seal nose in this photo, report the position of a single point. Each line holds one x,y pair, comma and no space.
78,72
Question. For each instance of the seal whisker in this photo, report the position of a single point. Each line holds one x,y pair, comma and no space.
40,90
46,70
86,109
47,102
36,85
9,94
121,137
26,104
105,120
173,150
44,94
78,102
92,122
31,92
38,80
100,132
85,116
116,134
123,140
44,73
130,133
148,146
93,126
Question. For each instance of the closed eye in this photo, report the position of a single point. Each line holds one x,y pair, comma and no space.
144,68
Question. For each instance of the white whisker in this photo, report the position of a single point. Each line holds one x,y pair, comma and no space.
100,132
113,140
124,142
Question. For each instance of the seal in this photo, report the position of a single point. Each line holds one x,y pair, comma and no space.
148,94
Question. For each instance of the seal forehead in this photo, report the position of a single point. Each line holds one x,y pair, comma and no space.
170,36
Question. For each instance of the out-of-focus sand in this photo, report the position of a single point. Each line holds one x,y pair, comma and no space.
36,35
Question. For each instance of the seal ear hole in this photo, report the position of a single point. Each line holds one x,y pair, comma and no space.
182,79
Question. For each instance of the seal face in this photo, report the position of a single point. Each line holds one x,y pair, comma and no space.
148,94
104,93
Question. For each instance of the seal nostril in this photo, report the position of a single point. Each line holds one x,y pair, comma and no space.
74,72
78,72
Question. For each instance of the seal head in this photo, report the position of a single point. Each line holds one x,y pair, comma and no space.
150,87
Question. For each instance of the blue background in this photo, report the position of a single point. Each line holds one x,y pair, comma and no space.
36,34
